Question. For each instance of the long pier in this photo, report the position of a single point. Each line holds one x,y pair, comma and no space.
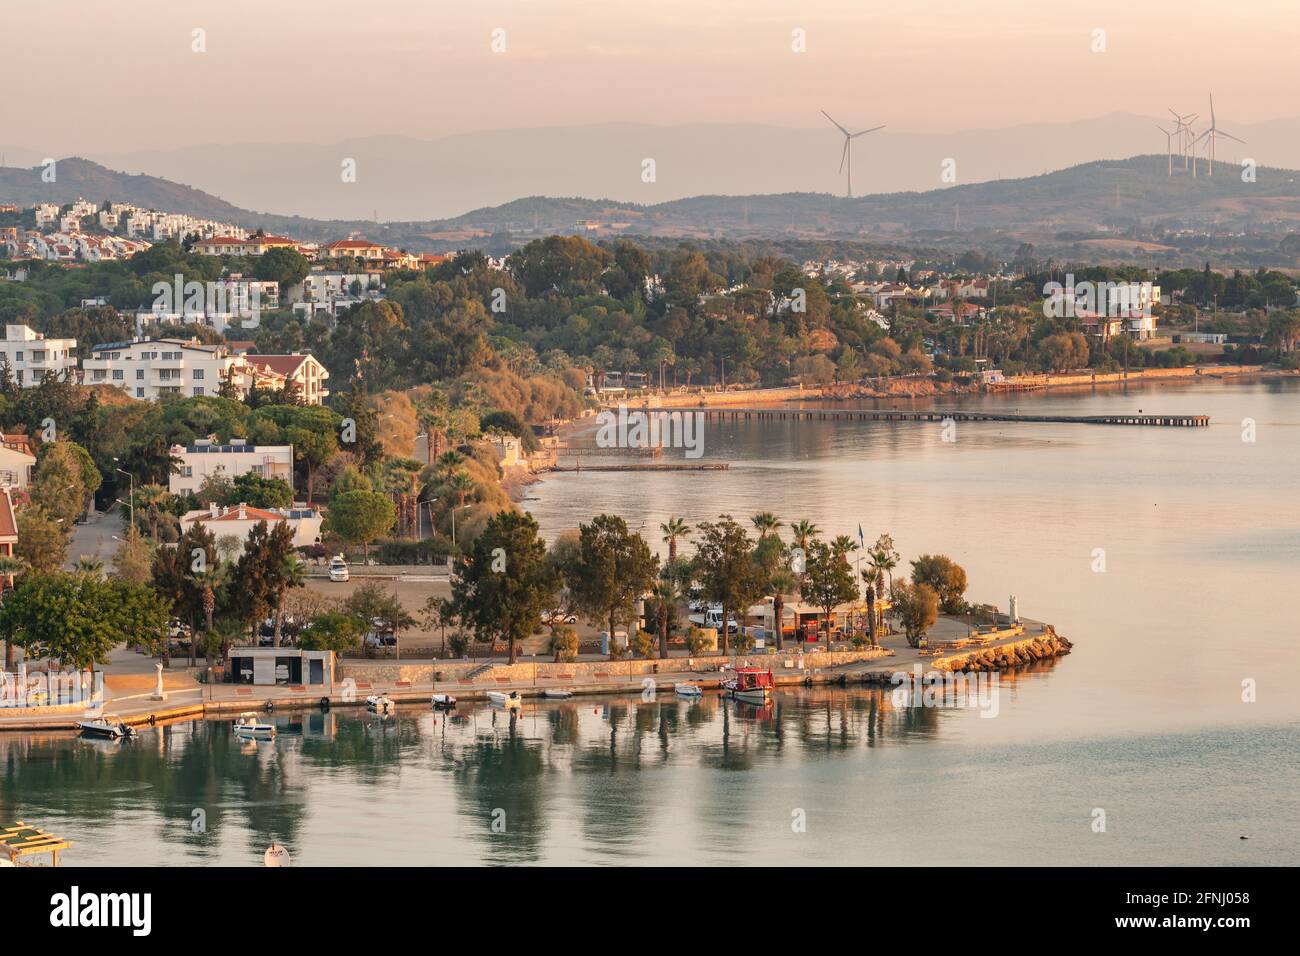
720,413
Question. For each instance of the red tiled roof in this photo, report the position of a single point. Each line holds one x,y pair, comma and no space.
280,364
351,244
232,514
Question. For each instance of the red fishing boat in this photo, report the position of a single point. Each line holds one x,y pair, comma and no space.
750,684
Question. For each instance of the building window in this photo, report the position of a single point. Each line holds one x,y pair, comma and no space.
117,374
198,375
198,390
139,375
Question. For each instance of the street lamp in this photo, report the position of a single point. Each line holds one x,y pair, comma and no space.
453,518
132,478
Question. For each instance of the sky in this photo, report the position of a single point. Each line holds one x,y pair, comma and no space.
121,75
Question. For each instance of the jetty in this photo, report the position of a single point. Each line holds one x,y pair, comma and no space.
648,466
935,415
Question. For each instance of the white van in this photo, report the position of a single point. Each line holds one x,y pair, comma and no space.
712,617
338,568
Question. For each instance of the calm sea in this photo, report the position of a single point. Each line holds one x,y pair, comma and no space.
1171,557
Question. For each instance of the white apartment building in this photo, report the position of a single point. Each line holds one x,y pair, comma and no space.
333,292
238,520
31,356
47,215
206,458
225,303
149,368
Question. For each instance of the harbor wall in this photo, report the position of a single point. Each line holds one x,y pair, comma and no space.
422,672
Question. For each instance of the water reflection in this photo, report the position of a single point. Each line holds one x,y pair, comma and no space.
598,770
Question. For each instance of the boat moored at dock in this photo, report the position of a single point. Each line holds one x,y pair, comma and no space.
751,684
249,727
106,727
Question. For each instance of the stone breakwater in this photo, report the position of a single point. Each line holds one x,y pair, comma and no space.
1017,654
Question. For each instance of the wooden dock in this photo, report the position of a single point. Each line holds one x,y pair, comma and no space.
720,413
648,466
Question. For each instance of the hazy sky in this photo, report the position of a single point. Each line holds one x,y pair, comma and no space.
110,75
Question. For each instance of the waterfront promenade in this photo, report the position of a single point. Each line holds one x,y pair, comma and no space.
130,698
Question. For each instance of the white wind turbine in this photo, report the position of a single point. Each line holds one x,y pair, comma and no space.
1183,130
1212,135
1169,146
846,157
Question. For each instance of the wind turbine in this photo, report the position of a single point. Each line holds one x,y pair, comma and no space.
846,157
1169,147
1184,133
1213,133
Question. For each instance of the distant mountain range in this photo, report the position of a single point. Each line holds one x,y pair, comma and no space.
405,179
1099,202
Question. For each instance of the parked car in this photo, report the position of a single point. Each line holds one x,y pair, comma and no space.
338,568
558,617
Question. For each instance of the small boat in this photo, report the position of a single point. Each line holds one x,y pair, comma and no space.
380,704
750,684
106,727
250,728
688,690
557,693
501,699
444,702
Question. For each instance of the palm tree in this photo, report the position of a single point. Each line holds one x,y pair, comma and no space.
449,461
882,560
293,574
766,523
152,498
10,566
843,545
804,531
782,582
666,597
209,581
462,484
674,529
869,576
88,565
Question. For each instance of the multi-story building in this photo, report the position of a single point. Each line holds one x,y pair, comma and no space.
206,458
300,368
31,356
152,368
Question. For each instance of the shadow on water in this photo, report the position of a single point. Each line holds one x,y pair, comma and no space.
602,767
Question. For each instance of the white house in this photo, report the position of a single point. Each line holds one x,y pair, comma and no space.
32,356
238,520
16,467
205,458
299,367
151,368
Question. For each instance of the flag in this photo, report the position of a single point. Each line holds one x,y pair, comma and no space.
861,540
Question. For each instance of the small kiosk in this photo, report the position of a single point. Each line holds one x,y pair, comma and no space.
287,666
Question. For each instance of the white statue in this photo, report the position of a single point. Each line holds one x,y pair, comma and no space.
158,688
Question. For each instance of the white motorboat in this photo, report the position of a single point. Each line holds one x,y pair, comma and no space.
557,693
107,727
687,689
250,728
443,702
501,699
381,705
